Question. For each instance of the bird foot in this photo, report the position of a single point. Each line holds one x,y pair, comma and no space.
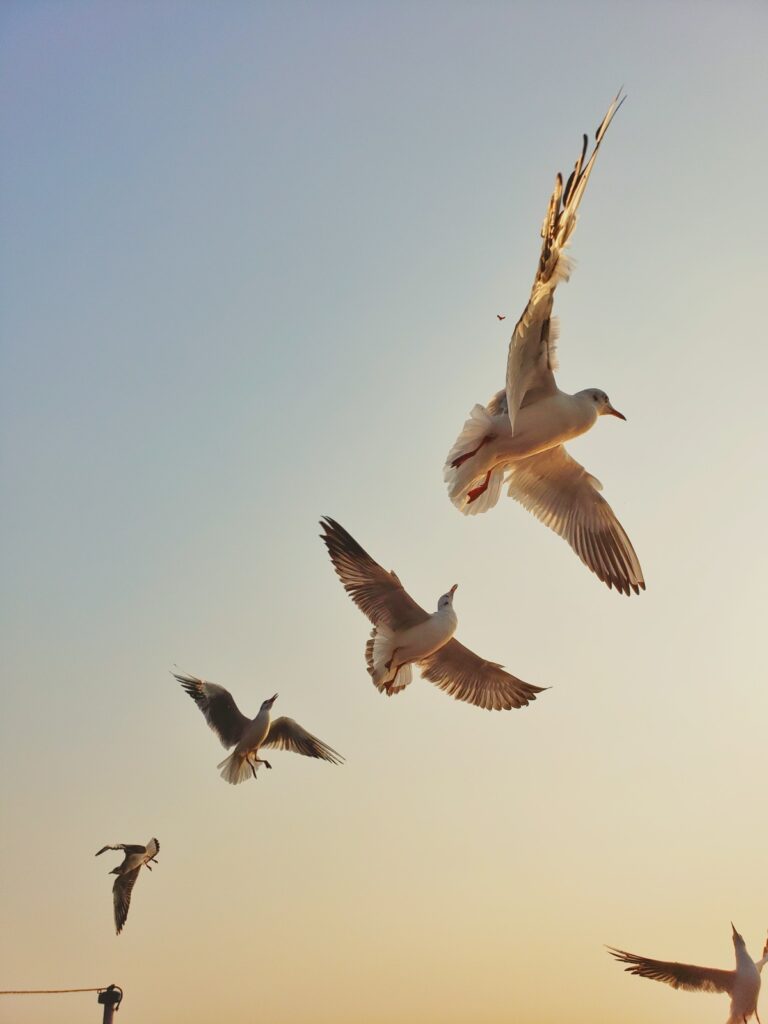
461,459
475,492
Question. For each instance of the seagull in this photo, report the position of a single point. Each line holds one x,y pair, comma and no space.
135,858
404,634
500,317
246,735
741,984
520,432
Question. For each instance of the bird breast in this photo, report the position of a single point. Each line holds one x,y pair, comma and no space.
542,425
420,641
256,733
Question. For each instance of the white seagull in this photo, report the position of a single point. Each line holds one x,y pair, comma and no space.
135,858
741,984
247,735
404,634
521,431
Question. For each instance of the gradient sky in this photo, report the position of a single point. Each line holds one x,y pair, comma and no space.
251,261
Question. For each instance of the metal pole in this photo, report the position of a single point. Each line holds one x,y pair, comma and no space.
110,998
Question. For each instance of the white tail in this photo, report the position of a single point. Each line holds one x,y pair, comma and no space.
236,768
488,498
387,678
471,472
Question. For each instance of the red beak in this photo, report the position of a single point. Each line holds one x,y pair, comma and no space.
453,588
615,412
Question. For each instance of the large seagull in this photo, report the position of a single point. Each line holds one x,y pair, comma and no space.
404,634
517,439
741,984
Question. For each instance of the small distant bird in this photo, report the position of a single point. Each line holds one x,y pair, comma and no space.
248,735
500,317
518,438
404,634
136,857
741,984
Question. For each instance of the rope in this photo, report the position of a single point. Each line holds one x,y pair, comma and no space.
51,991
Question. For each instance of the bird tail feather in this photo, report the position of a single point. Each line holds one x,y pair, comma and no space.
236,768
469,474
378,655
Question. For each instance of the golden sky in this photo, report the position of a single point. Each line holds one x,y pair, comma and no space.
252,261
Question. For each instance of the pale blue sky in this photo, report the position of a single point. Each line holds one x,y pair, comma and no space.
251,261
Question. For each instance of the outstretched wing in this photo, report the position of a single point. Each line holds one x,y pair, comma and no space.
565,497
531,359
685,976
458,671
285,734
761,963
121,896
152,849
128,848
218,706
377,593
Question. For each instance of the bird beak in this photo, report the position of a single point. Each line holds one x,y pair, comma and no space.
273,699
615,412
453,589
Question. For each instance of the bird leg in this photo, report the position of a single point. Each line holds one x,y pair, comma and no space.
393,674
389,684
388,665
257,760
461,459
480,489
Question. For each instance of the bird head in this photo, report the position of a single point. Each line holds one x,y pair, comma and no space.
602,403
738,941
267,704
446,601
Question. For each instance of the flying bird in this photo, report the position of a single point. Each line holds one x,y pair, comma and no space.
500,317
135,858
741,984
404,634
517,438
247,735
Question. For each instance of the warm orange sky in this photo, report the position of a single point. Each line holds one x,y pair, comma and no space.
252,261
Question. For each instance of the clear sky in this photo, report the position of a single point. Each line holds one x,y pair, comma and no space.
251,261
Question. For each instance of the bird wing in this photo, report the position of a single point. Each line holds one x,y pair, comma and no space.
121,896
458,671
685,976
761,963
377,593
128,848
531,359
285,734
565,497
218,706
152,849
